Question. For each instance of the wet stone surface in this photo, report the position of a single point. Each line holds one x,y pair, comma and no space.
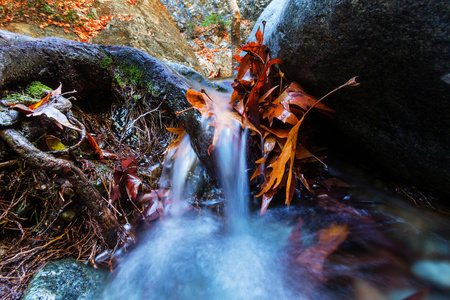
66,279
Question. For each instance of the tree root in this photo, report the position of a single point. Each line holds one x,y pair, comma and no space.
111,230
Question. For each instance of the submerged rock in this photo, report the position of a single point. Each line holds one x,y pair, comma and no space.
397,118
66,279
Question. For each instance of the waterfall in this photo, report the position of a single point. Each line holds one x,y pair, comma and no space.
233,177
186,257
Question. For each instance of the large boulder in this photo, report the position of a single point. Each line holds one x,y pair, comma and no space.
398,118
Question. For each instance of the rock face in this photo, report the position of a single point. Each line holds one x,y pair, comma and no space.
151,30
65,279
146,26
398,118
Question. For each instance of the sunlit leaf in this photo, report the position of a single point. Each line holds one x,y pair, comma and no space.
43,101
278,111
180,134
294,94
54,143
199,101
132,185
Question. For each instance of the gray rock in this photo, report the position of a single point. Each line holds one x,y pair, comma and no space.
397,118
8,116
436,272
66,279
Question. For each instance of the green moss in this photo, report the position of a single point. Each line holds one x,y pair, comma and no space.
132,74
106,62
37,89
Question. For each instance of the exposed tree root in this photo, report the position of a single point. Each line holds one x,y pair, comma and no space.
90,197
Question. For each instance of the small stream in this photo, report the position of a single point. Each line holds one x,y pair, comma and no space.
393,250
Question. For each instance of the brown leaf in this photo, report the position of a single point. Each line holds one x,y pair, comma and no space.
294,94
302,153
329,240
21,108
281,133
109,155
279,166
266,199
278,111
115,194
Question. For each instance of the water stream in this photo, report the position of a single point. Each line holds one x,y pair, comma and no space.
203,255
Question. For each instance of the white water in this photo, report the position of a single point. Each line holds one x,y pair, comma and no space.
191,257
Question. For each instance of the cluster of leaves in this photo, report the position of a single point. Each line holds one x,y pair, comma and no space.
265,98
273,109
72,15
152,201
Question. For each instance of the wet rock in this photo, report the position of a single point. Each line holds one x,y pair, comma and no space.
436,272
8,116
66,279
397,119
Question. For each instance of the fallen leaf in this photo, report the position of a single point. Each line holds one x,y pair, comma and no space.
329,239
43,101
53,113
54,143
94,146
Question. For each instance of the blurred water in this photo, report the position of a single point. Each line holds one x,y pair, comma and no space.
199,258
192,255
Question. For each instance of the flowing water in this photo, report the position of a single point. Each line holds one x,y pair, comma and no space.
203,255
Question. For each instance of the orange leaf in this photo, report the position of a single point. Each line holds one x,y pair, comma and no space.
281,133
180,132
94,146
199,101
43,101
279,166
278,111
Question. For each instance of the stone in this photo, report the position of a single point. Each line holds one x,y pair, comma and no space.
434,271
397,119
151,30
66,279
